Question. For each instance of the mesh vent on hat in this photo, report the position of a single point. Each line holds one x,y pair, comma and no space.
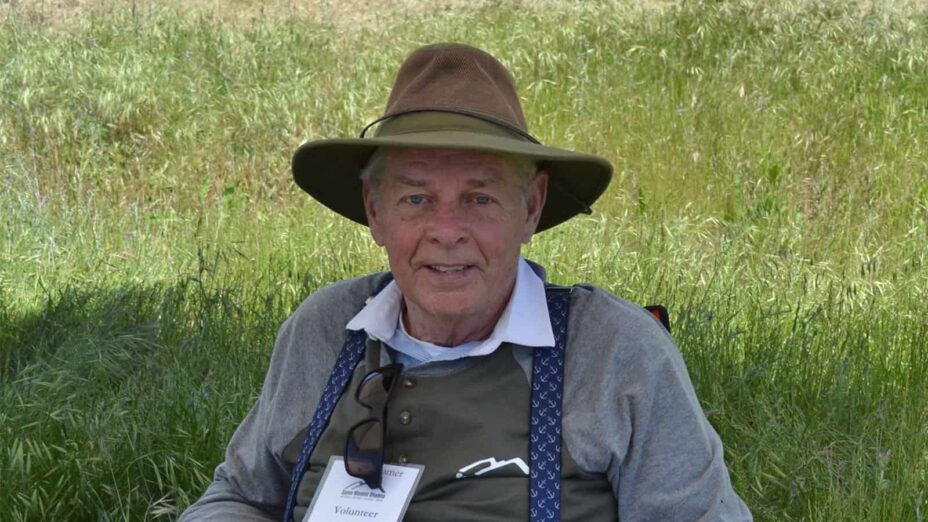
457,78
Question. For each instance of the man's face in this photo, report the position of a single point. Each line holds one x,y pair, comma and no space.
453,222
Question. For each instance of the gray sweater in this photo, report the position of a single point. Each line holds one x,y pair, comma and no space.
631,416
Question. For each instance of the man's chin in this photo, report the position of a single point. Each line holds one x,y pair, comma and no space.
447,308
453,309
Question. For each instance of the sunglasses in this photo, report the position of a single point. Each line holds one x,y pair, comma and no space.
364,444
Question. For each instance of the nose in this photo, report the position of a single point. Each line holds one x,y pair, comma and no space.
448,226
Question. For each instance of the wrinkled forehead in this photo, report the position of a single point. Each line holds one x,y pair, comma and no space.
411,160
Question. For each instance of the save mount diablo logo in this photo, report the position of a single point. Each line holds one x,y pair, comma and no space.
487,465
359,489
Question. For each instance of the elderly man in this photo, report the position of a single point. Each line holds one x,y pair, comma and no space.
460,386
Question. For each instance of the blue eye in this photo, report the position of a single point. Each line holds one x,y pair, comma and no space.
416,199
482,200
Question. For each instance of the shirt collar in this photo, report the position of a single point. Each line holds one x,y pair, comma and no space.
524,321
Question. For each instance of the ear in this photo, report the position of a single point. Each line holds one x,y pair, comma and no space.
370,208
535,197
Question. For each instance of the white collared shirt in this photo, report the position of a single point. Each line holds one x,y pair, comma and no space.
524,321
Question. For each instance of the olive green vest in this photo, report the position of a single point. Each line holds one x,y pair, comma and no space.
447,416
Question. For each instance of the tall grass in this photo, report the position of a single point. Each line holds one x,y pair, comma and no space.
771,189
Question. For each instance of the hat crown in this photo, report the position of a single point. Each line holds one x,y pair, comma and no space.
456,78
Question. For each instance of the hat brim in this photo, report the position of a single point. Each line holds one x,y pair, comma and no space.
329,170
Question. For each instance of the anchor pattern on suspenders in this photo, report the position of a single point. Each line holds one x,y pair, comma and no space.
547,392
546,400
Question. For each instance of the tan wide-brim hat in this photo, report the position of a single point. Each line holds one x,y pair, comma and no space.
457,97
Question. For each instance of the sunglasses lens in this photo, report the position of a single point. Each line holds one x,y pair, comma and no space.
364,452
376,387
364,445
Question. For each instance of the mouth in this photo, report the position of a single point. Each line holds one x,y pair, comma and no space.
448,269
448,276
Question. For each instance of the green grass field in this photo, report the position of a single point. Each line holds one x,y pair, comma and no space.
771,189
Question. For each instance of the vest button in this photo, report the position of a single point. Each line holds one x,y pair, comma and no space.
403,459
409,383
405,417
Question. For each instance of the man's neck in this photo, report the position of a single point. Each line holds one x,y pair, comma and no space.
442,331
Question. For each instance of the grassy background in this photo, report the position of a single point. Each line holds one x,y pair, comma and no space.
771,188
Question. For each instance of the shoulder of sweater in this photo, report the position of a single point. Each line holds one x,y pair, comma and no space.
607,326
332,306
310,339
592,302
345,297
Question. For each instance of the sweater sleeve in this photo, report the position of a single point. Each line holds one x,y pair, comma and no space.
252,482
639,420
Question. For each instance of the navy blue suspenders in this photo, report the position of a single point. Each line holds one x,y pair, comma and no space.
545,432
547,397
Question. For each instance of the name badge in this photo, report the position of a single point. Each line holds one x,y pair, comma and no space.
343,497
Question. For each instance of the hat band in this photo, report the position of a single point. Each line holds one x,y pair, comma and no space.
435,121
